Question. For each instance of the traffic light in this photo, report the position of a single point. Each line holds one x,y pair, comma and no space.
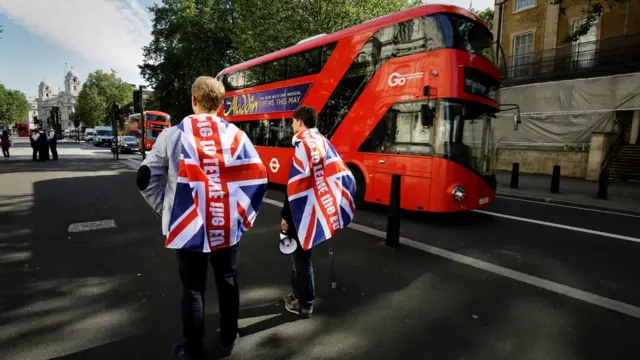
137,100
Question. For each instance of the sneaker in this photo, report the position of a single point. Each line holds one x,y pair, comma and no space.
289,298
295,308
228,348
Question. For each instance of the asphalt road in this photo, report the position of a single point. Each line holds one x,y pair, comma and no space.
114,293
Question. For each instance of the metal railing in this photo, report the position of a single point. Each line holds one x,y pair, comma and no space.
617,55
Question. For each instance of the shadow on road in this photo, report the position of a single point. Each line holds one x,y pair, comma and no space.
114,293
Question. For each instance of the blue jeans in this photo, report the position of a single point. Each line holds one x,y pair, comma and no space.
302,281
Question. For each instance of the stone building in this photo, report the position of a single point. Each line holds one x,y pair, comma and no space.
65,100
579,100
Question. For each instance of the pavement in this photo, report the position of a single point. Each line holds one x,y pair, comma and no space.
622,196
520,280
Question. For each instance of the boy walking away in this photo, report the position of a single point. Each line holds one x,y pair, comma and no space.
318,176
215,184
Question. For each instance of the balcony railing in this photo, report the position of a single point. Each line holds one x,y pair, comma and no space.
588,59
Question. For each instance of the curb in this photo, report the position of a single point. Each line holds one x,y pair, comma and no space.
568,203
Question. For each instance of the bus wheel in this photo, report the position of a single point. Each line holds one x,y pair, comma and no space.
360,185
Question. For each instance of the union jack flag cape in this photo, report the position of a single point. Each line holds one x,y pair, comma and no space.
220,188
321,189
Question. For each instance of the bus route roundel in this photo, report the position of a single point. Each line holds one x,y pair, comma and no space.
274,165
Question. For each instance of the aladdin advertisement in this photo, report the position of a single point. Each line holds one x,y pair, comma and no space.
267,101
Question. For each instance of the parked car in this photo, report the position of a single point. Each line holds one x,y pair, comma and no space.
126,144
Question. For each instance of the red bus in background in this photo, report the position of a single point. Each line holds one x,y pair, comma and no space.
22,129
410,93
155,122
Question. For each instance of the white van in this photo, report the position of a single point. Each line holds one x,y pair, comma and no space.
88,135
102,135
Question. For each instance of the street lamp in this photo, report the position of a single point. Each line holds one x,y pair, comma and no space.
114,111
142,119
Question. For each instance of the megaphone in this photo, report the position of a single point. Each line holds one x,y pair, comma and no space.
287,244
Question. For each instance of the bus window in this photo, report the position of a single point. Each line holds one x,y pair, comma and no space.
275,71
402,131
280,133
255,76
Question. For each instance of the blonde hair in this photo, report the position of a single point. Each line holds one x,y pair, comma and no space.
209,92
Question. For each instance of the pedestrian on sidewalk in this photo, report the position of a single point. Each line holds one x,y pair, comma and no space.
201,208
316,165
5,142
53,143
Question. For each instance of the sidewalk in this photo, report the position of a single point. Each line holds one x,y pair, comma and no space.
621,197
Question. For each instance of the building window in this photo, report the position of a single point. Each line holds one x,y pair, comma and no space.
524,4
74,88
522,55
583,50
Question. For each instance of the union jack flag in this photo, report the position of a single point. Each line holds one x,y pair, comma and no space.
321,189
220,188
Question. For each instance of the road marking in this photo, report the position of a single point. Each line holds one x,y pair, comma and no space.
567,227
92,225
567,206
565,290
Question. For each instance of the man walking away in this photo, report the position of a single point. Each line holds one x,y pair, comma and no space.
316,165
53,143
215,184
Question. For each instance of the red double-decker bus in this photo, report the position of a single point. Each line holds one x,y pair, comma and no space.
155,122
411,93
22,129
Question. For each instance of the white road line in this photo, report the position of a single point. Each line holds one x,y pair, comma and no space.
567,206
92,225
567,227
574,293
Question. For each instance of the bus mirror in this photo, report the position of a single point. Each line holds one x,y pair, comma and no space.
516,120
426,115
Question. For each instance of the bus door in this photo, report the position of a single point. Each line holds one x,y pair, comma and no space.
407,153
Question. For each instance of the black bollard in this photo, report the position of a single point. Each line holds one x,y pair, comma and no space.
515,175
393,219
555,179
603,184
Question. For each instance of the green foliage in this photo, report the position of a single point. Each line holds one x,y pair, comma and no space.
486,15
98,94
264,26
590,13
201,37
14,106
191,38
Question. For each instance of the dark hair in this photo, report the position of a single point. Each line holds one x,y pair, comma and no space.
308,115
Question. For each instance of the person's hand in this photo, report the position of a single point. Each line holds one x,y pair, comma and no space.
284,225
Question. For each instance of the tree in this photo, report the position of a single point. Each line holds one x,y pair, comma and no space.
99,93
486,15
190,38
202,37
590,13
263,26
14,106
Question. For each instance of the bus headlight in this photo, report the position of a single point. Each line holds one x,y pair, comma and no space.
458,193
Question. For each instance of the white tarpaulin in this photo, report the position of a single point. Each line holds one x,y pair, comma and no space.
566,112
